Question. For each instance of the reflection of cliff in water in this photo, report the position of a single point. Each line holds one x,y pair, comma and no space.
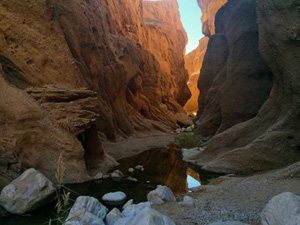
162,166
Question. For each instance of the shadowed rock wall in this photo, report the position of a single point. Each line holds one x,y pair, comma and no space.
234,81
271,139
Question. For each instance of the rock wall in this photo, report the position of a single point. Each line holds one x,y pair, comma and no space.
234,81
194,59
66,54
193,64
209,10
271,139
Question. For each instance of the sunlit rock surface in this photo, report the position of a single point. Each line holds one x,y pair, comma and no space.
130,58
193,64
209,9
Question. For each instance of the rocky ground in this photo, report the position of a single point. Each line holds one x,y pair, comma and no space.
224,199
234,198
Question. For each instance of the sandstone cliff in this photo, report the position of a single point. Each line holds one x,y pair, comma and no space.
194,60
234,81
193,64
93,74
271,139
209,10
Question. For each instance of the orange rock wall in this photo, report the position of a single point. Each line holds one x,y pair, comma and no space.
209,10
193,64
109,47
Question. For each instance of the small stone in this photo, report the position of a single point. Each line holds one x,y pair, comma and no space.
132,179
128,203
131,170
188,199
178,131
114,198
139,167
189,129
98,176
113,216
117,175
105,176
161,195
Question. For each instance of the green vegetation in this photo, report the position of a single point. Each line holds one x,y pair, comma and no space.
190,140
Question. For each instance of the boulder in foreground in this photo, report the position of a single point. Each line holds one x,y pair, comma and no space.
28,192
283,209
161,195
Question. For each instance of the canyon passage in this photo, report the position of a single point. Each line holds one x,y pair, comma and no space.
99,96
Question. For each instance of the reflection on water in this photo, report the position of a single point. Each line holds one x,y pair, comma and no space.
192,182
163,166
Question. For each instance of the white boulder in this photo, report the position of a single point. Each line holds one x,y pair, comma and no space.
28,192
228,223
283,209
134,209
87,210
113,216
114,198
161,195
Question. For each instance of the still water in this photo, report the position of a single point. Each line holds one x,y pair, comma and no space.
162,166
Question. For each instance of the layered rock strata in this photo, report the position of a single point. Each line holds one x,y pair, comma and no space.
234,81
193,64
271,139
93,70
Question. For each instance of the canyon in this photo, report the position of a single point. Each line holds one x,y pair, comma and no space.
86,79
88,71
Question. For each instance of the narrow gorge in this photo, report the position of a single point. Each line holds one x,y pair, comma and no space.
89,86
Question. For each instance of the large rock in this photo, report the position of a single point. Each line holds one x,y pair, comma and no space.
161,195
283,209
28,192
87,211
134,209
147,216
228,223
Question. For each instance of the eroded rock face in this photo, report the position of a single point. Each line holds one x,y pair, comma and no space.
99,65
271,139
193,64
234,81
209,9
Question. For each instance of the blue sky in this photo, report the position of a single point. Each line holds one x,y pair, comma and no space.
191,20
